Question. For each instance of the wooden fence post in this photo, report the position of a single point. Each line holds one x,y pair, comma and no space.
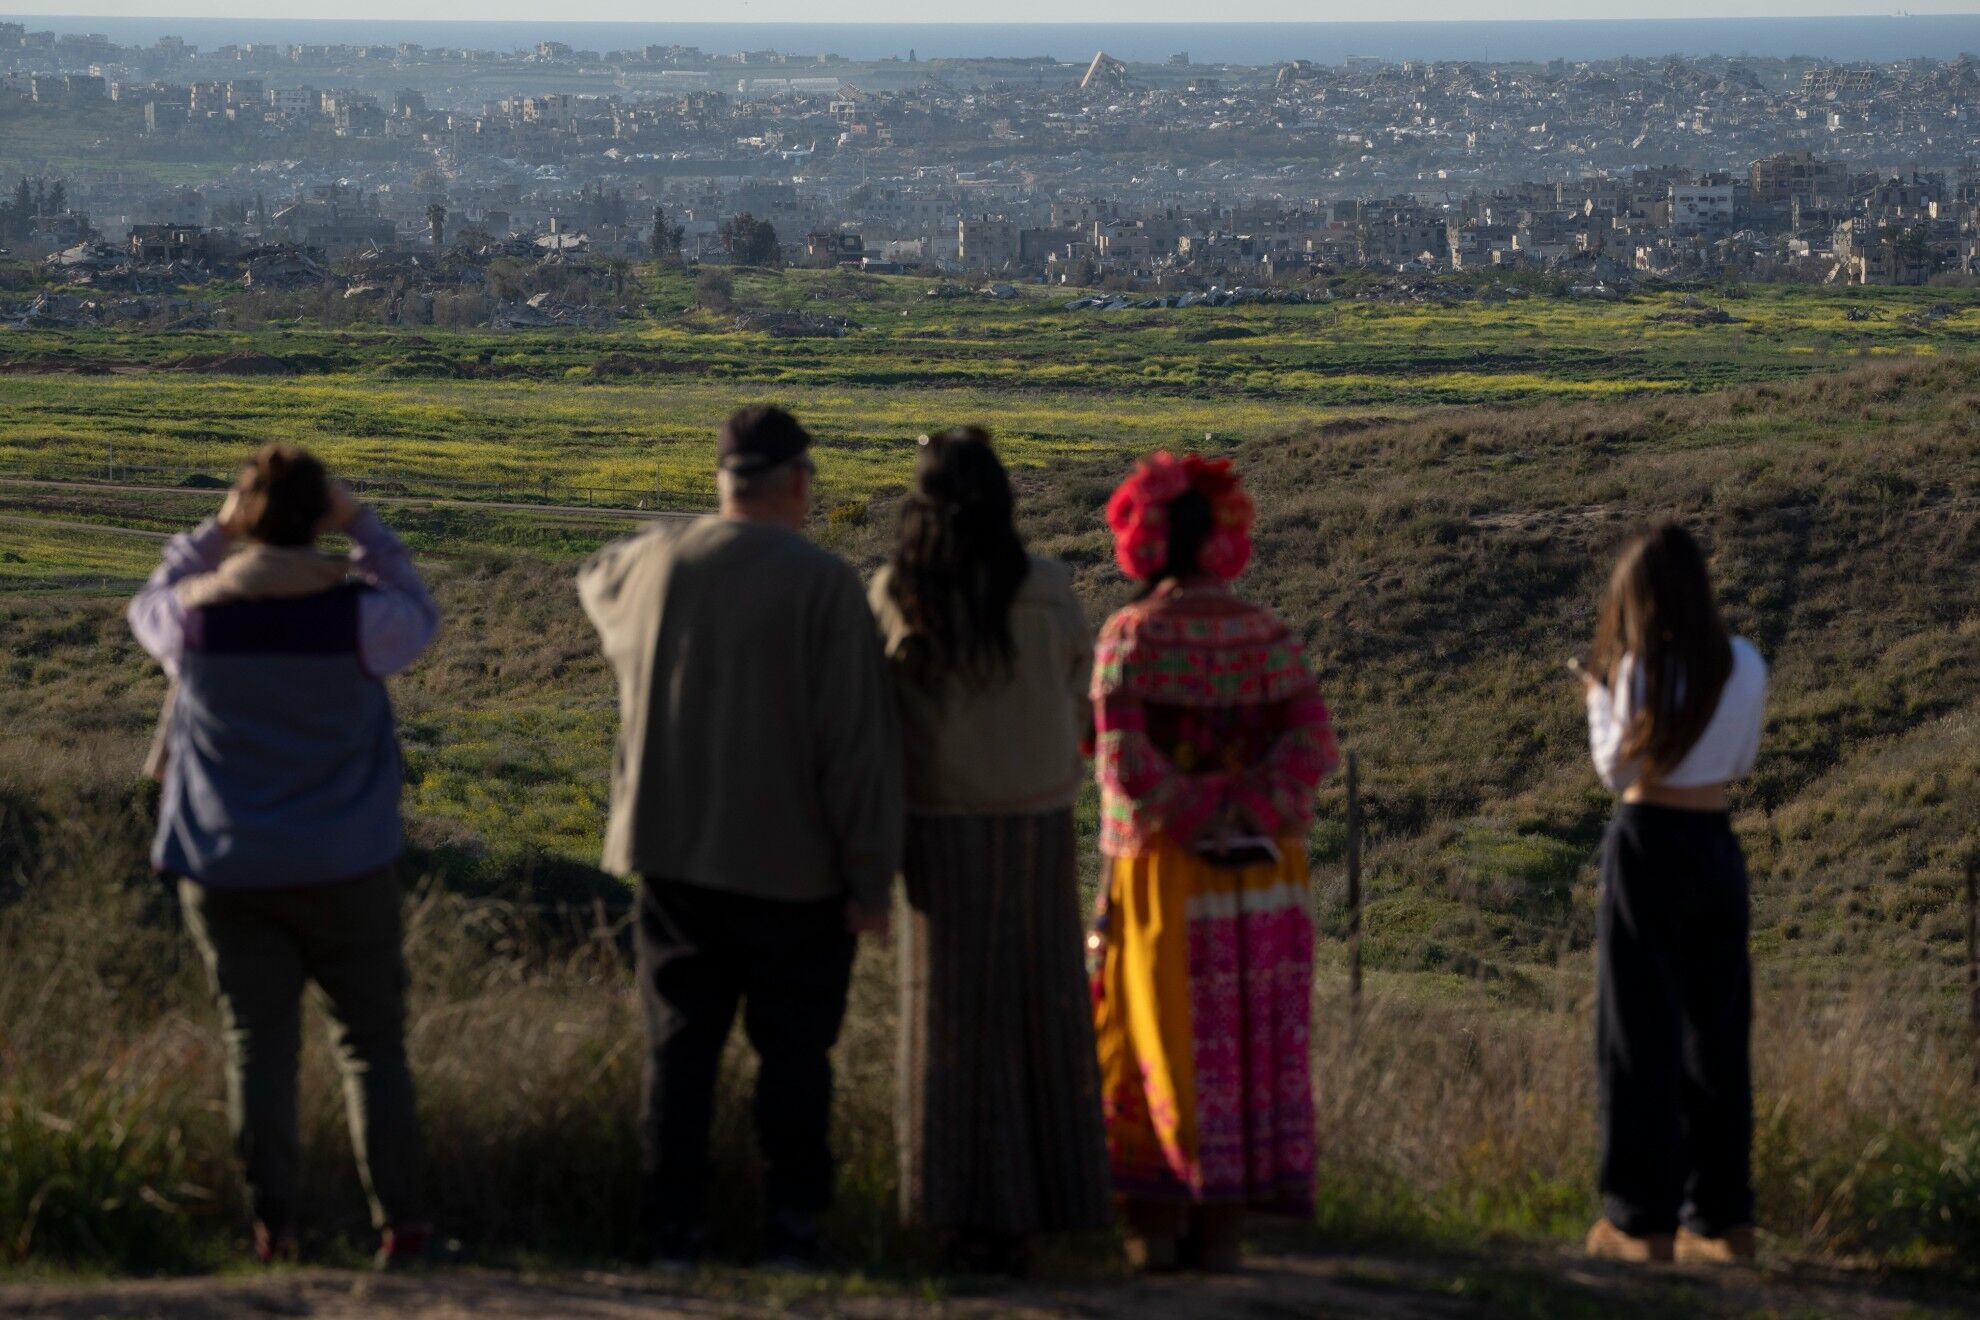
1354,888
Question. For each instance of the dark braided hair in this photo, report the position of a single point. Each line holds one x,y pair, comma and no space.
1191,520
958,561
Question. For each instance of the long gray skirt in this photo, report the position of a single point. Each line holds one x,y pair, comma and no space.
999,1113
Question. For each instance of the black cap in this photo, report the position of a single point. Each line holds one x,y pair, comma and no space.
758,438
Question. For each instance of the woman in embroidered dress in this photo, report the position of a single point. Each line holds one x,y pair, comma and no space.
1211,739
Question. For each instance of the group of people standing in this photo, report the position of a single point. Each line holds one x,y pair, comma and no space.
791,744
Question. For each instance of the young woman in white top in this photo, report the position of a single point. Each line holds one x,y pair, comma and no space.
1674,714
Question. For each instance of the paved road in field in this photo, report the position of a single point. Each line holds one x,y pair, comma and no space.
417,501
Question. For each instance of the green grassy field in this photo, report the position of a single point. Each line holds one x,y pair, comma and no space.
630,411
1439,561
35,551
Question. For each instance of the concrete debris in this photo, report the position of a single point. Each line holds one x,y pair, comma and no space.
282,266
1932,315
544,311
1242,295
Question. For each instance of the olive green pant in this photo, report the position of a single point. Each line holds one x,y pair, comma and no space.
261,947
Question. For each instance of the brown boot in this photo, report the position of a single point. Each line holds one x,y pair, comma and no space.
1154,1233
1214,1243
1734,1247
1607,1242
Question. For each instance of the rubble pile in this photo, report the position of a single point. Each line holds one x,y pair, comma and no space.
542,312
1216,296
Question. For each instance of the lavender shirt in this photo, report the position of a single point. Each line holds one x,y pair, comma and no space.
396,621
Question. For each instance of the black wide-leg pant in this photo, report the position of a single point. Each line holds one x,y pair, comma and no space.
703,954
1673,1020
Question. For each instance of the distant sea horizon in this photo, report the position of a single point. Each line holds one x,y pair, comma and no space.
1869,37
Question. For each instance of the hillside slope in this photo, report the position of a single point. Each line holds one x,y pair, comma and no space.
1443,568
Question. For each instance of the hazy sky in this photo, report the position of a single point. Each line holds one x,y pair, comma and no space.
1015,11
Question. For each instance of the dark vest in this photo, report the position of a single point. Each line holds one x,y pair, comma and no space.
284,762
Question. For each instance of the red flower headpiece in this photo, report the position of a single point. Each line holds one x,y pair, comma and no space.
1138,513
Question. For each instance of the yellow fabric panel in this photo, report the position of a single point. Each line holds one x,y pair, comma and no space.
1142,1018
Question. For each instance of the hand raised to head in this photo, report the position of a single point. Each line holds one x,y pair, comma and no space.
229,517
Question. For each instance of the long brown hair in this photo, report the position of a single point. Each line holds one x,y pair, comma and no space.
1661,614
1191,520
958,561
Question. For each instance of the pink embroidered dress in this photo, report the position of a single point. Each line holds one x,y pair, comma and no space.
1206,715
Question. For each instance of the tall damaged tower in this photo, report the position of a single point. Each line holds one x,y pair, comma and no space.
1105,71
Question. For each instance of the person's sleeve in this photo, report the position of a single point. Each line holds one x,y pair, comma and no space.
398,618
1277,793
1157,796
601,583
1608,720
857,733
157,619
1079,669
1749,750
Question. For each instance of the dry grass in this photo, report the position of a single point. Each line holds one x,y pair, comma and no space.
1450,1116
1444,1117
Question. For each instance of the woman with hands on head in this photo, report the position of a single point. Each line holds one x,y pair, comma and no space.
278,815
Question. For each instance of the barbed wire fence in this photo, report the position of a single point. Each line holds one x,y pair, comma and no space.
1355,901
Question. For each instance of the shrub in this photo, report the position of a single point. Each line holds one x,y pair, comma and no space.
714,290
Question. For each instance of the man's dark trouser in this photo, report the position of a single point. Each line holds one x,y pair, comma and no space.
1674,1015
260,947
790,964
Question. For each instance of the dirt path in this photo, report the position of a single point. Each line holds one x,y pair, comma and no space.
1391,1288
37,520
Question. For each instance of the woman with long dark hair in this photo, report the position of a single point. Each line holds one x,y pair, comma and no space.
999,1110
1212,738
1674,713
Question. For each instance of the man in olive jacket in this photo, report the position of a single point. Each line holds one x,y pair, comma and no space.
756,793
